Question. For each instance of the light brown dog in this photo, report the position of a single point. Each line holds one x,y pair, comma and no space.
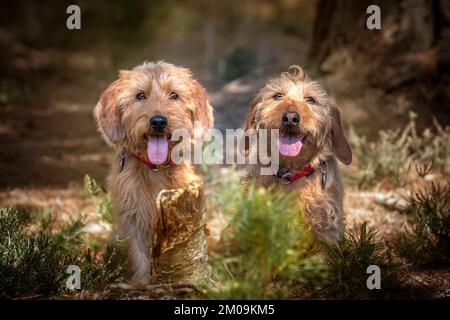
136,115
310,138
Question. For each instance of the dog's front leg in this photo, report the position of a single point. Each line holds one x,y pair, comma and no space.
138,234
325,215
329,226
134,208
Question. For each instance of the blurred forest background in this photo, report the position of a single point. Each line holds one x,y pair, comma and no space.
51,77
392,86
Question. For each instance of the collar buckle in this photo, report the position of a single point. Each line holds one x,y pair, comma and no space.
284,175
286,178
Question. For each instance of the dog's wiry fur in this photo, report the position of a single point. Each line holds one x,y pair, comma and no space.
325,141
123,122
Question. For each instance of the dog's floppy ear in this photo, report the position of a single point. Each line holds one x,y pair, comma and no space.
107,114
250,121
341,149
203,113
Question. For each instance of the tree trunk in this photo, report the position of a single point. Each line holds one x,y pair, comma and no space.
180,252
408,57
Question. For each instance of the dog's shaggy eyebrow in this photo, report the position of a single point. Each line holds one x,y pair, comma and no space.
314,89
168,81
140,80
275,87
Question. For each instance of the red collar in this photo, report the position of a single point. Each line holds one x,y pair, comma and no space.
288,177
150,165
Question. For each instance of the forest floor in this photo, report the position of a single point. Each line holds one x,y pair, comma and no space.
50,142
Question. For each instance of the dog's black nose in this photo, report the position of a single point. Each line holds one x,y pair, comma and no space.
158,123
290,118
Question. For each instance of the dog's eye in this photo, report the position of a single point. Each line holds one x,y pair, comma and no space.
278,96
173,95
310,100
141,96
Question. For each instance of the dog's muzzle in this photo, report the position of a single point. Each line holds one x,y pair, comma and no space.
158,123
290,118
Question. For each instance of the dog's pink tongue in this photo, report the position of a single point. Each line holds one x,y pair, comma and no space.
157,149
289,146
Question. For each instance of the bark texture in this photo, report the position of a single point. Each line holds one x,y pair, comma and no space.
180,251
408,57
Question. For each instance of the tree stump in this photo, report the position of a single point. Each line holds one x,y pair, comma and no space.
179,248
